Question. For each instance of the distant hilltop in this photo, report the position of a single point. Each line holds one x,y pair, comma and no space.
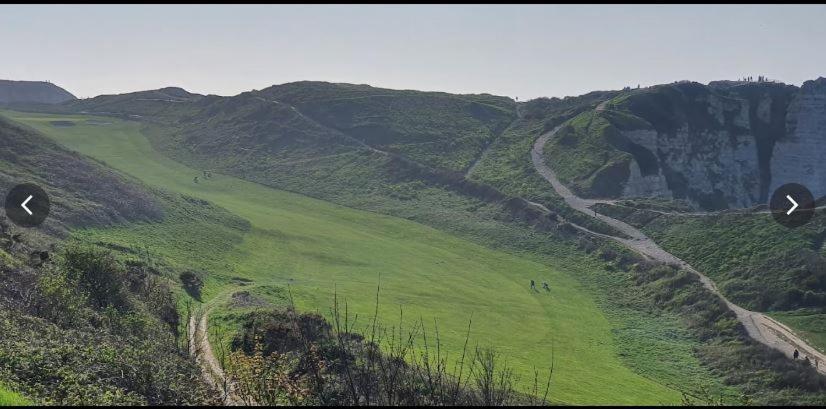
36,92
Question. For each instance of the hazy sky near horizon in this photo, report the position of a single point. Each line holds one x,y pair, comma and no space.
523,51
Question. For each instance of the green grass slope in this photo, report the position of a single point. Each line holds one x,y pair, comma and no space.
318,248
9,398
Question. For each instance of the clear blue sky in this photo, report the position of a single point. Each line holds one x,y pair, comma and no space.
525,51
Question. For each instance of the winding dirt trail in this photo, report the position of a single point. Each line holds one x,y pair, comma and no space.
211,367
760,327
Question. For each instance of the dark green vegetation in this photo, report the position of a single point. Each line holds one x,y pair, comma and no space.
80,327
307,360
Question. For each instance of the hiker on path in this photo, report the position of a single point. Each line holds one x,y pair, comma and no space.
796,354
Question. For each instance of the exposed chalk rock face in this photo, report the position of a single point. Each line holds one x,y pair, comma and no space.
710,159
715,169
728,145
639,185
800,156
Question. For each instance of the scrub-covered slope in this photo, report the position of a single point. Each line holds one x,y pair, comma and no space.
82,193
80,325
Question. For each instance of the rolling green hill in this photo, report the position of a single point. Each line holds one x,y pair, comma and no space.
318,248
437,129
350,144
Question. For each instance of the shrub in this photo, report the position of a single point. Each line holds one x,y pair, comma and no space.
192,283
97,274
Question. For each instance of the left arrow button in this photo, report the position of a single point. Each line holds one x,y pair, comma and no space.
23,205
27,205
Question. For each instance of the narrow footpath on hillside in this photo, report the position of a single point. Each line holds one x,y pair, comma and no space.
760,327
211,367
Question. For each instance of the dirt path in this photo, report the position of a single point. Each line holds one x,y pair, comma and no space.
211,367
759,326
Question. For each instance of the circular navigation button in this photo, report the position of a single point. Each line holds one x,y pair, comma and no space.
792,205
27,205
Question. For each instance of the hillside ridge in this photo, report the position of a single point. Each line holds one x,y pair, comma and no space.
32,92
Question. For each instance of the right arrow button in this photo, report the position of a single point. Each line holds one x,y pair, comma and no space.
792,205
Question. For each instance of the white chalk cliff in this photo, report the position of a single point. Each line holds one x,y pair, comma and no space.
720,167
800,157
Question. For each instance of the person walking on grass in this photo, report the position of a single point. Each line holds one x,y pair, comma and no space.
533,285
545,286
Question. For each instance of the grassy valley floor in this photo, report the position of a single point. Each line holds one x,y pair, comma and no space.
318,249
